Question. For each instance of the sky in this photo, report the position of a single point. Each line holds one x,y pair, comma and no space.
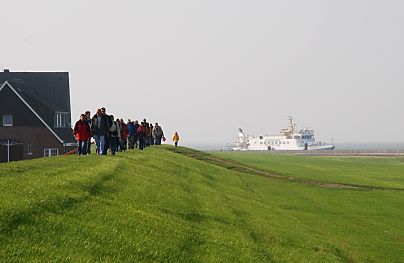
206,68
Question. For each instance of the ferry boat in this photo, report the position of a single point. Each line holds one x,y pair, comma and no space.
289,139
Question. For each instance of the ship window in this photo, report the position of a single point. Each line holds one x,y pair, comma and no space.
8,120
261,137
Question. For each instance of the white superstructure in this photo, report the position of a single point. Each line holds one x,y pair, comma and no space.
289,139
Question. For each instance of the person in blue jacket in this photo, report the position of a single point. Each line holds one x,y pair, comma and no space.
132,133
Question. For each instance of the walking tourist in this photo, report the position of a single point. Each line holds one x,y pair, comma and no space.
176,139
141,133
113,136
125,133
157,134
151,138
100,131
88,120
136,124
131,134
147,133
82,132
107,136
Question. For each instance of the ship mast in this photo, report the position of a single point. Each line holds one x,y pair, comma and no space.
292,125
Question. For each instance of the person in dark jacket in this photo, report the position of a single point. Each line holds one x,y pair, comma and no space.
113,136
89,121
147,133
107,136
100,129
137,125
125,133
141,133
82,133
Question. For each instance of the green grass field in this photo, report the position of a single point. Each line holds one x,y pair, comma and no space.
181,205
387,172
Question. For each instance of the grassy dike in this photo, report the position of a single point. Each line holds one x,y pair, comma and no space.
180,205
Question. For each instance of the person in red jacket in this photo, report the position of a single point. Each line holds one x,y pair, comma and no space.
82,133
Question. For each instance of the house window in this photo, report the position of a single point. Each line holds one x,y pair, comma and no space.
8,120
50,152
61,119
29,149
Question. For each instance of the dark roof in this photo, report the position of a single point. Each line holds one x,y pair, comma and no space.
49,88
46,93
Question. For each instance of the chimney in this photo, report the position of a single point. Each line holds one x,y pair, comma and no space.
6,70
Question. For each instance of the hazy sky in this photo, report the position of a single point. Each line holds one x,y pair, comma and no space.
206,68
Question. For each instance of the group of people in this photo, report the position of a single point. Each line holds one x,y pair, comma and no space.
112,135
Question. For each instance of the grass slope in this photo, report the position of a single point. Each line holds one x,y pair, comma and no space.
158,205
385,172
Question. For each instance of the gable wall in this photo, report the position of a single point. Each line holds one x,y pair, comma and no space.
26,128
22,115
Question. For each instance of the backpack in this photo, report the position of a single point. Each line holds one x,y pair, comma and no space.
113,129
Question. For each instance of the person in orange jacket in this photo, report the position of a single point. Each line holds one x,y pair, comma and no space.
176,139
